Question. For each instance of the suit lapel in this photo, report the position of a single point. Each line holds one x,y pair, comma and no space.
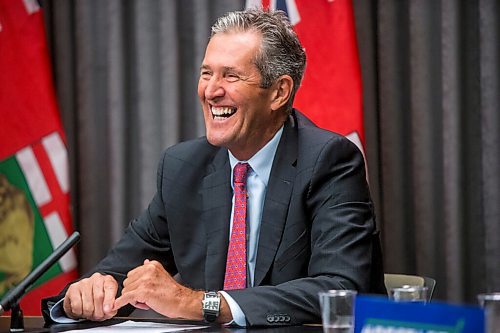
216,200
277,200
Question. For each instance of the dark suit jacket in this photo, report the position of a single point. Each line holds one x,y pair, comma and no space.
317,231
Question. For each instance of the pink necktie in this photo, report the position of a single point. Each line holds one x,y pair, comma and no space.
236,264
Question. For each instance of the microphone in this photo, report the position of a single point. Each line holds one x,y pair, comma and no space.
14,295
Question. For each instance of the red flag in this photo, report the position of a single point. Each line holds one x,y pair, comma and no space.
34,184
331,91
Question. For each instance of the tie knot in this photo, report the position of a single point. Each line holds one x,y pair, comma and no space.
240,173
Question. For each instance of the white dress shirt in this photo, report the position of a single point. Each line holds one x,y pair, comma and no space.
257,179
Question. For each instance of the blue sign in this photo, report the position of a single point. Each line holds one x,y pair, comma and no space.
380,315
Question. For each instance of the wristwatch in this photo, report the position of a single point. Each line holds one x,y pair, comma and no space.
210,306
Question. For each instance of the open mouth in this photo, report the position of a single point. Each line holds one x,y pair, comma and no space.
222,112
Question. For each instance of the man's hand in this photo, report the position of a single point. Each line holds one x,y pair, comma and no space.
91,298
150,286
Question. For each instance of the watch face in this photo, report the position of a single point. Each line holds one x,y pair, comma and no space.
211,306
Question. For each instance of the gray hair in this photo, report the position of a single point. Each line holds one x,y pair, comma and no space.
281,52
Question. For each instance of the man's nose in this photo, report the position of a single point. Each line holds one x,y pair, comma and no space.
214,88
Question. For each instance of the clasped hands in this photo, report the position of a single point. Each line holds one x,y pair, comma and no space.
148,286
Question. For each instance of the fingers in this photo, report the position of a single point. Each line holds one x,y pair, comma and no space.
134,297
110,289
132,287
121,302
140,283
87,300
98,299
141,306
151,286
91,298
73,303
149,270
147,286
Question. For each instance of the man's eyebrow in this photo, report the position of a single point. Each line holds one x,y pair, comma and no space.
229,69
224,68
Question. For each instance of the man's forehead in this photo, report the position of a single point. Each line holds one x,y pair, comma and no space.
231,51
238,39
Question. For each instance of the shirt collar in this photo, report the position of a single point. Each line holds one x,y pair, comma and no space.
262,161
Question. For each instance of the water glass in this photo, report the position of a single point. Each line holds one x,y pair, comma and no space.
408,294
491,305
337,310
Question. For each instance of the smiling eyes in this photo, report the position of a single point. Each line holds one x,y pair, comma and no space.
232,77
229,76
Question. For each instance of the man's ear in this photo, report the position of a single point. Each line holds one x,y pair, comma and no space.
282,91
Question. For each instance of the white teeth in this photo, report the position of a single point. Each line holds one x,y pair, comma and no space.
219,111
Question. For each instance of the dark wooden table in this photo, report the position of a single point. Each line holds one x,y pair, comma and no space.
36,325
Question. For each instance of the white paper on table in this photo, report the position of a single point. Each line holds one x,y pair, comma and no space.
139,327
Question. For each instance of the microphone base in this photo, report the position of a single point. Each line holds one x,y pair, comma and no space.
16,319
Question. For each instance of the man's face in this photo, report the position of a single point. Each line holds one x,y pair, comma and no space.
237,111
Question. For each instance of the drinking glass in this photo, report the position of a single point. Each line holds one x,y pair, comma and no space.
491,305
408,294
337,310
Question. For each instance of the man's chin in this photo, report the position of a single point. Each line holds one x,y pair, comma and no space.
216,143
218,137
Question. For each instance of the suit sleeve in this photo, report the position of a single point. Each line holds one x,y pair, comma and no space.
140,241
340,216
